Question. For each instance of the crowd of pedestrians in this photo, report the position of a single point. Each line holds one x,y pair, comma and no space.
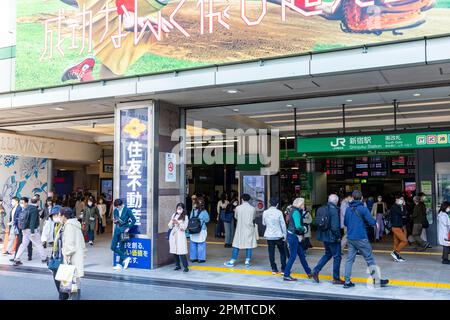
351,222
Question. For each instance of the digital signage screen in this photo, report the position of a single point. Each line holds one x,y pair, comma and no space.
69,41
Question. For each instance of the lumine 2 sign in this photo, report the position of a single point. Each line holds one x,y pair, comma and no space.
374,142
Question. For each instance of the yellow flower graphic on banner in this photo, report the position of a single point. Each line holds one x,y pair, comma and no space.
134,128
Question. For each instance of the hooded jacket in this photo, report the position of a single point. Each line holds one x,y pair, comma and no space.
73,245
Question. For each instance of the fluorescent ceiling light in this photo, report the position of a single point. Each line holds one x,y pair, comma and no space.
289,105
416,94
349,100
58,109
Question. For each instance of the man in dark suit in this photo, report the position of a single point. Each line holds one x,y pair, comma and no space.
124,220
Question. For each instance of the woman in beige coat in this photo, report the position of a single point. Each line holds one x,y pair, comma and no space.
73,246
177,238
245,234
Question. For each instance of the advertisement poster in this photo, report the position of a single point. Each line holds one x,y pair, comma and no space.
255,187
133,165
139,250
69,41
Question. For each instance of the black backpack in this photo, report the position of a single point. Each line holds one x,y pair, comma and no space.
323,219
24,217
194,225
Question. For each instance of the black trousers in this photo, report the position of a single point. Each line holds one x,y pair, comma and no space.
62,295
29,248
445,252
280,244
183,260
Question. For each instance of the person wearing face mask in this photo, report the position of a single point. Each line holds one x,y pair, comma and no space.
29,224
46,223
102,214
444,230
90,217
124,220
419,216
72,247
399,236
48,228
379,210
57,246
177,238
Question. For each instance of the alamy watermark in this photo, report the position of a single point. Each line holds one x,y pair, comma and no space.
234,146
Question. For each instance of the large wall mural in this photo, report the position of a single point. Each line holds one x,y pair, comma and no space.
22,177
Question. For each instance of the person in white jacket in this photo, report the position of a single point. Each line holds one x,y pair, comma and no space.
177,238
73,246
275,234
443,230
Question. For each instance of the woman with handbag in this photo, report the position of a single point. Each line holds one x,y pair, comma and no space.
56,258
177,238
73,247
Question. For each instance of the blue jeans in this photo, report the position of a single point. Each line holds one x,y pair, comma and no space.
295,249
332,250
120,251
229,230
235,253
363,246
90,234
197,250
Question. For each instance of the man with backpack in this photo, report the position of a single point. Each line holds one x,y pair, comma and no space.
28,222
329,232
357,217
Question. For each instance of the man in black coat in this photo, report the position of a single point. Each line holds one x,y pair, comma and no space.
400,240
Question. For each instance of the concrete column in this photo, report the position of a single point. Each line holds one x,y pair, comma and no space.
50,163
167,194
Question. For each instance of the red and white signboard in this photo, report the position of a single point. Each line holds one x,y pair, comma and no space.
170,167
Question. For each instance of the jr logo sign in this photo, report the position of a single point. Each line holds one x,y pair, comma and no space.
338,142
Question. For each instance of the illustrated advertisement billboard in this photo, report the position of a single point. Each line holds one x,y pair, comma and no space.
69,41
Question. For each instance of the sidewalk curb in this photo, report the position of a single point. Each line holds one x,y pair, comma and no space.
279,293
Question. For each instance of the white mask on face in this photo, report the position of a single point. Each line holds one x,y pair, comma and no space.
56,219
179,211
89,203
22,206
447,210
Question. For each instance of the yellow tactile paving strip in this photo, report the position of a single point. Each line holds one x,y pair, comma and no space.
375,251
407,283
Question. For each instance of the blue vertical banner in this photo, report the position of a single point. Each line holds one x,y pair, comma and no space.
133,165
133,182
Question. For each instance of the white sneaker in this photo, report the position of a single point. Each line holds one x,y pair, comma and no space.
118,267
126,262
394,256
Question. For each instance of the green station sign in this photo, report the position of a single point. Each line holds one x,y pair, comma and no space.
374,142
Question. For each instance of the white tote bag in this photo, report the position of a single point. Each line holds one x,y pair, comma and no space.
65,273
